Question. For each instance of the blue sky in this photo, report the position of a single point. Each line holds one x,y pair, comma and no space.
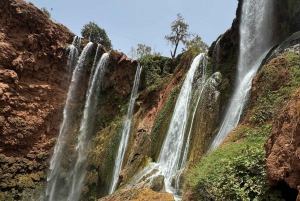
130,22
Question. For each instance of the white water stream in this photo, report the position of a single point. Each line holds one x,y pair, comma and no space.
56,158
73,54
255,41
77,174
205,84
168,163
169,157
125,132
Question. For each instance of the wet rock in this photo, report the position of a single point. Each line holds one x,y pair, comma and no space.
157,183
292,43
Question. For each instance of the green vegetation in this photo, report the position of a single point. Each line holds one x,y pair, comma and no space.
154,68
280,78
162,122
179,32
46,12
235,171
95,34
24,12
196,43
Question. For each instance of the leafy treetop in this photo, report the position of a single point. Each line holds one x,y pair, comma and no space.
196,43
95,34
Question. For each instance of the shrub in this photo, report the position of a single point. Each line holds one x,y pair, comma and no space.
235,172
46,12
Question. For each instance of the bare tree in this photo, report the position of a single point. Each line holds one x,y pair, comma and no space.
143,50
132,53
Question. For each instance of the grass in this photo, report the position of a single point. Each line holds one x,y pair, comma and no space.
236,171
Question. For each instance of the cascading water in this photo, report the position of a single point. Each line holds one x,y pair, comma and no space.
95,62
73,54
77,174
186,148
210,85
255,41
173,147
56,158
169,157
125,132
216,54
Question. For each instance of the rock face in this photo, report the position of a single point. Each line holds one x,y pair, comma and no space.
32,90
283,144
286,18
205,120
32,69
283,150
291,43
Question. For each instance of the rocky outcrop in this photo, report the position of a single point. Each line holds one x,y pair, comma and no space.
291,43
286,19
282,146
32,70
138,195
32,91
283,150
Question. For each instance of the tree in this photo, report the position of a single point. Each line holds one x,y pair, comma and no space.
196,43
95,34
179,33
132,53
143,50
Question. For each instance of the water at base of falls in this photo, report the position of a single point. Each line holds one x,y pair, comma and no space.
125,132
255,41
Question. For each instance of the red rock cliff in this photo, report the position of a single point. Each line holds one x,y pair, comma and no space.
32,90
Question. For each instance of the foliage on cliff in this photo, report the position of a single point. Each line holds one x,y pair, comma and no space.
236,171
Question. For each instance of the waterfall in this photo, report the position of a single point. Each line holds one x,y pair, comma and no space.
210,84
73,54
125,132
169,157
216,54
174,152
186,148
55,162
77,174
255,41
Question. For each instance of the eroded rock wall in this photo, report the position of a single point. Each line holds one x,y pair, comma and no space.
32,92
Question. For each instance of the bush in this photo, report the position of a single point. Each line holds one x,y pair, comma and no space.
235,171
46,12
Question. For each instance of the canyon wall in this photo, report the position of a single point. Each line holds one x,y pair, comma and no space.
32,93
